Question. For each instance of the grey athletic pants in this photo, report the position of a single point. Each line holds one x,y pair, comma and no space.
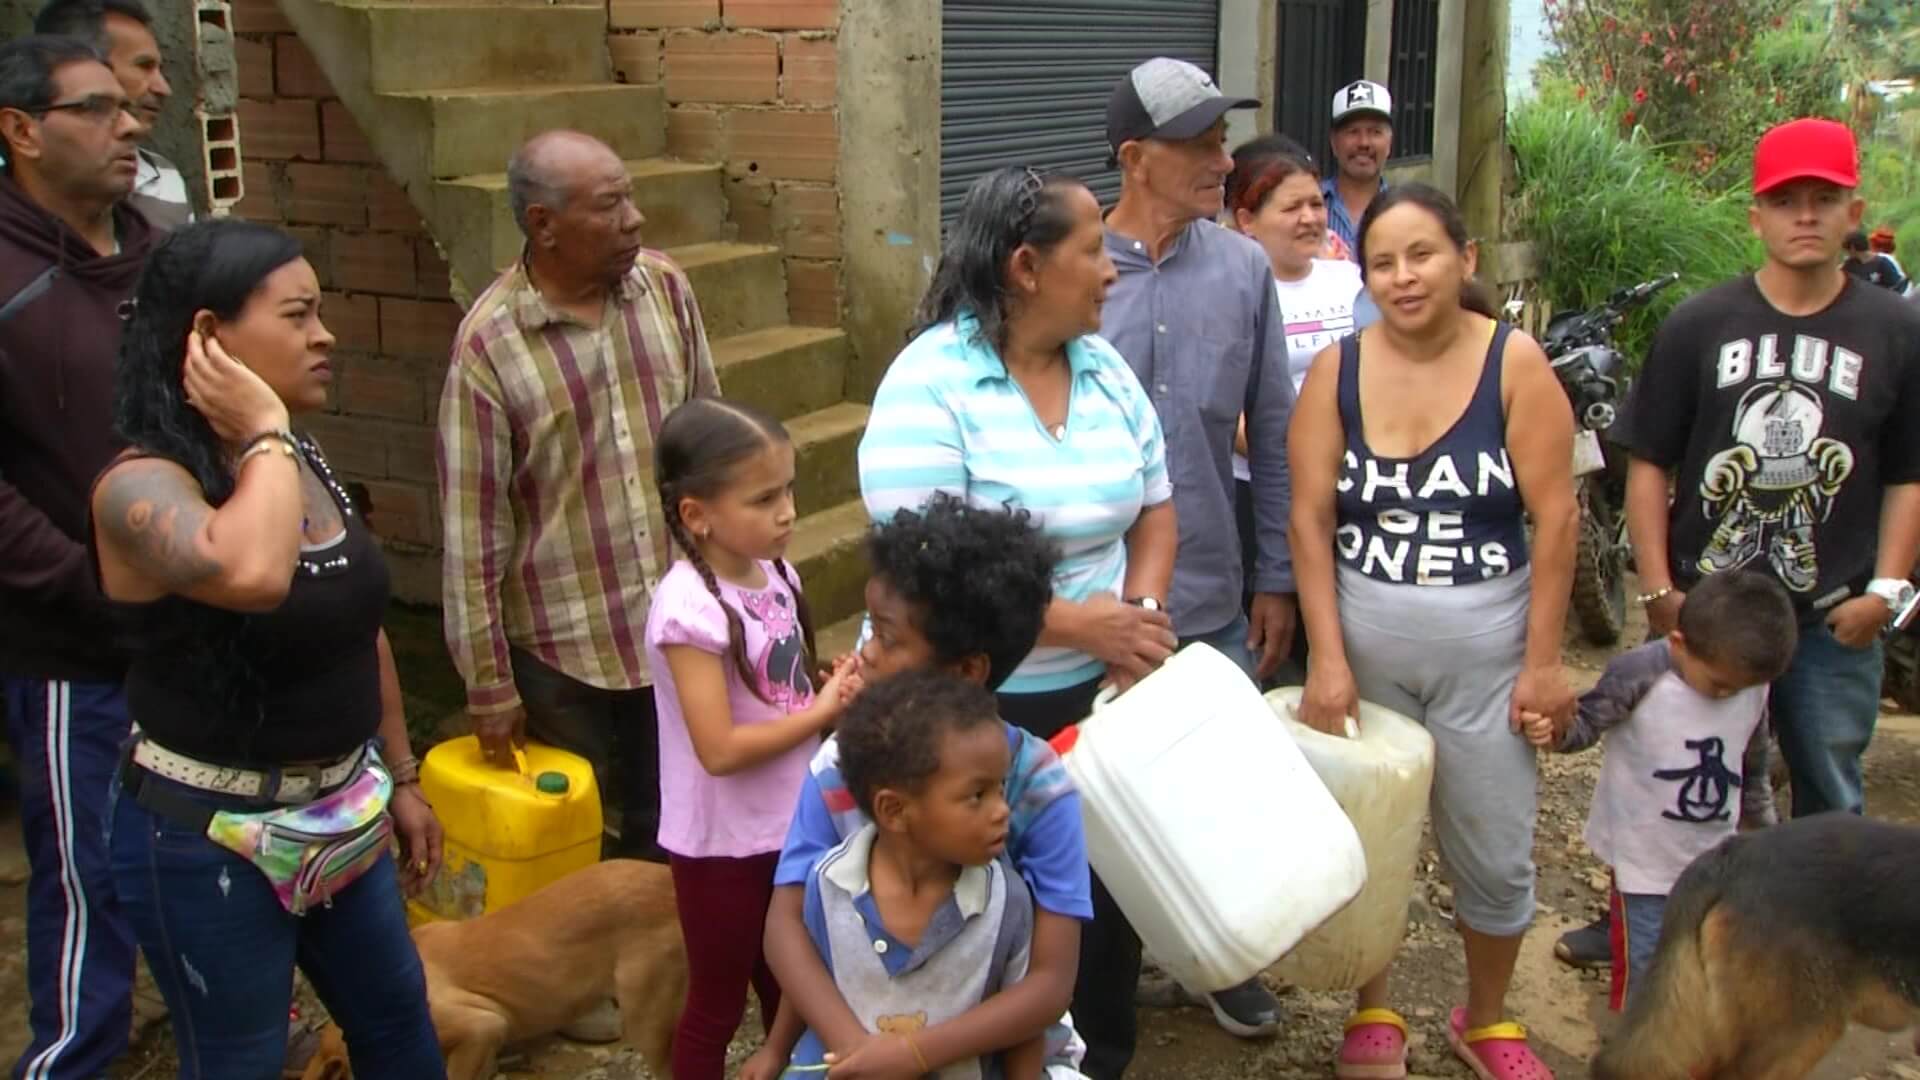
1448,656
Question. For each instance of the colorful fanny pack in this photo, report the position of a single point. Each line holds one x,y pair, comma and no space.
312,851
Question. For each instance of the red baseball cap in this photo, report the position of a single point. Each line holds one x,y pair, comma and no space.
1798,149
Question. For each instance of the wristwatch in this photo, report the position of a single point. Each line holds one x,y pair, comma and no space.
1897,592
1147,603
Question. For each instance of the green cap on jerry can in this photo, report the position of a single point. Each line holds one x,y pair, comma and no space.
551,783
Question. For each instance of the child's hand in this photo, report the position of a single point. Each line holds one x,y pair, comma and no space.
843,684
1539,729
825,674
880,1057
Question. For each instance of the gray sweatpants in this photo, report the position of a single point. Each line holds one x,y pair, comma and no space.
1448,656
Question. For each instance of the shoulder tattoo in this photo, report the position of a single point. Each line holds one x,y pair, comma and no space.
155,517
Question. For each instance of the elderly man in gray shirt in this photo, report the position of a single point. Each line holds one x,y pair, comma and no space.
1196,315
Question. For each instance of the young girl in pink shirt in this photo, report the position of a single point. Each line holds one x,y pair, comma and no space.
730,645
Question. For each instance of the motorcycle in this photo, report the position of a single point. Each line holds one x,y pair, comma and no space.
1901,680
1579,345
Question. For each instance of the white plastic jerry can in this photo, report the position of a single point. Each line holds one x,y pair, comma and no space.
1381,775
1206,822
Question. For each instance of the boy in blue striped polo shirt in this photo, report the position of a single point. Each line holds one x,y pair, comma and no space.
920,915
961,590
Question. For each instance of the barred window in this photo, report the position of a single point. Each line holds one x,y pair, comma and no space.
1414,71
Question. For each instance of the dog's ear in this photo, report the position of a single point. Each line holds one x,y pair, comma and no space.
329,1060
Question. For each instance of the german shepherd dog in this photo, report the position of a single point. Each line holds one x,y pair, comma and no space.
1771,943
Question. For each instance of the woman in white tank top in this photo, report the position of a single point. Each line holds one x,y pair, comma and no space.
1273,197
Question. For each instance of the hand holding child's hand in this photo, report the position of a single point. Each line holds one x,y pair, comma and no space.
843,683
1539,729
825,674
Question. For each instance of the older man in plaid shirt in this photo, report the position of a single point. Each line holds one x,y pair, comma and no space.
561,374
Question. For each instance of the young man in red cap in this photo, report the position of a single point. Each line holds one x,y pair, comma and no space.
1783,404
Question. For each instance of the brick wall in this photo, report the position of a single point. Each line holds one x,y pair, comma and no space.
309,169
751,84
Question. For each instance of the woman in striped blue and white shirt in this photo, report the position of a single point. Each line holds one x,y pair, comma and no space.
1007,396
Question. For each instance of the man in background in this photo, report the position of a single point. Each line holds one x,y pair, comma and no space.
71,250
1872,267
1362,142
122,30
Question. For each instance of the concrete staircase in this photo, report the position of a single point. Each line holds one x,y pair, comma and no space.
446,90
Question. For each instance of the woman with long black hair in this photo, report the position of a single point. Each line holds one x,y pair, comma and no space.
251,820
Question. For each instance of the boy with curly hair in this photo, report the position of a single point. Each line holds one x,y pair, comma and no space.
961,590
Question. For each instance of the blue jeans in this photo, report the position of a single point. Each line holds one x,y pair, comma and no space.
1824,709
1636,935
223,950
1231,641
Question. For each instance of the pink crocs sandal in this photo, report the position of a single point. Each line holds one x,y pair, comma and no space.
1495,1052
1375,1047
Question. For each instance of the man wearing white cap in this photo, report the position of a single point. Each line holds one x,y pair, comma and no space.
1362,142
1195,314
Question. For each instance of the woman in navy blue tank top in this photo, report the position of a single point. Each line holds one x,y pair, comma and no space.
1418,451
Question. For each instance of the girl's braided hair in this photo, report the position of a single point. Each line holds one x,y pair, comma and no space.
699,445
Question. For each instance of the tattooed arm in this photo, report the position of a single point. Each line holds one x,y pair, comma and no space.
157,536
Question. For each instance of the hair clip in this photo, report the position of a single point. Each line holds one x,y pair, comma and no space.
1029,200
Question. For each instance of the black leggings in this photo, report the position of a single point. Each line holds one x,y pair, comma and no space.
1103,1009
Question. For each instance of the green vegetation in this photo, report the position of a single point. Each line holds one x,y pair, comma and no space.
1607,211
1702,79
1636,156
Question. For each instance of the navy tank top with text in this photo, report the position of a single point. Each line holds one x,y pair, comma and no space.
1450,516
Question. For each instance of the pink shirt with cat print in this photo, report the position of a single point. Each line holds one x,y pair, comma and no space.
747,813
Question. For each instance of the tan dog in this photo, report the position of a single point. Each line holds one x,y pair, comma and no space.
329,1060
529,969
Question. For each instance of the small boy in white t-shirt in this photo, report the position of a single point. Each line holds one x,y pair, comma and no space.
1677,713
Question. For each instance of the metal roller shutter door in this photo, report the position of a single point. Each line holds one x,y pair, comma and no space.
1025,82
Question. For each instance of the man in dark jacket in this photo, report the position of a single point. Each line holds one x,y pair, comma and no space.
70,252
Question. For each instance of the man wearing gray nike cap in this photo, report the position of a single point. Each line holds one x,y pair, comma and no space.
1196,315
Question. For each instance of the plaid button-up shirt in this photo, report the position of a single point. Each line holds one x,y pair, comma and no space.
554,536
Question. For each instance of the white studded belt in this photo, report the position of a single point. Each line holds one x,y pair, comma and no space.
285,784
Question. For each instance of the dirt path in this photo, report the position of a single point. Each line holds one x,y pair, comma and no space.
1565,1010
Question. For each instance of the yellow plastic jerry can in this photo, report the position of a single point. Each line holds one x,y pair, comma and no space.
509,831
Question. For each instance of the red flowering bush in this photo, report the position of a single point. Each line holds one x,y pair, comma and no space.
1701,78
